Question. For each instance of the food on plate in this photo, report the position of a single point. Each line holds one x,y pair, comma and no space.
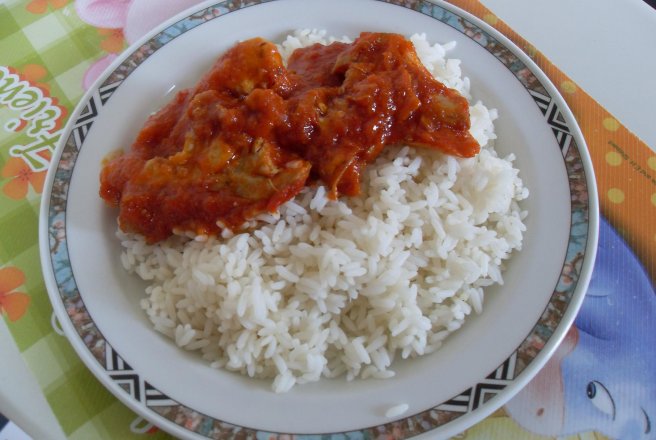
326,287
253,131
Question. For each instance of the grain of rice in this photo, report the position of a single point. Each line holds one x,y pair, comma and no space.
396,410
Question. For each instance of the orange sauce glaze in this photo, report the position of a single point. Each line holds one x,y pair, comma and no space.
252,133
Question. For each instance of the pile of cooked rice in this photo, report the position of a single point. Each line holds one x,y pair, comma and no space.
327,288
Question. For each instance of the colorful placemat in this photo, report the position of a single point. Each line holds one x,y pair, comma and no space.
50,50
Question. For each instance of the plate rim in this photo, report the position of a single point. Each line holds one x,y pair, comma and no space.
460,422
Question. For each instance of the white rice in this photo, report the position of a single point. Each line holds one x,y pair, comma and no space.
331,288
396,410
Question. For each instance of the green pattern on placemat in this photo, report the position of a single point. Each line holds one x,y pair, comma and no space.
59,47
111,423
72,388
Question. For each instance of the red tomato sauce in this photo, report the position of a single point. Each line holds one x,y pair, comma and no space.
252,133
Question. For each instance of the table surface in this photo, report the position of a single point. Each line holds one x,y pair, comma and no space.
601,44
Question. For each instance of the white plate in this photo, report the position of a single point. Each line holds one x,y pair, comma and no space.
478,368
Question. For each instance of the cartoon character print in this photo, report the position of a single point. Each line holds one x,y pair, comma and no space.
134,18
603,377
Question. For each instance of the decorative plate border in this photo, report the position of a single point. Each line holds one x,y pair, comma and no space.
470,399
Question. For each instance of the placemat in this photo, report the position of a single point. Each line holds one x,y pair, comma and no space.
599,386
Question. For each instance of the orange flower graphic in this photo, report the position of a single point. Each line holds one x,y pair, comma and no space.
41,6
14,304
34,73
112,41
21,177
